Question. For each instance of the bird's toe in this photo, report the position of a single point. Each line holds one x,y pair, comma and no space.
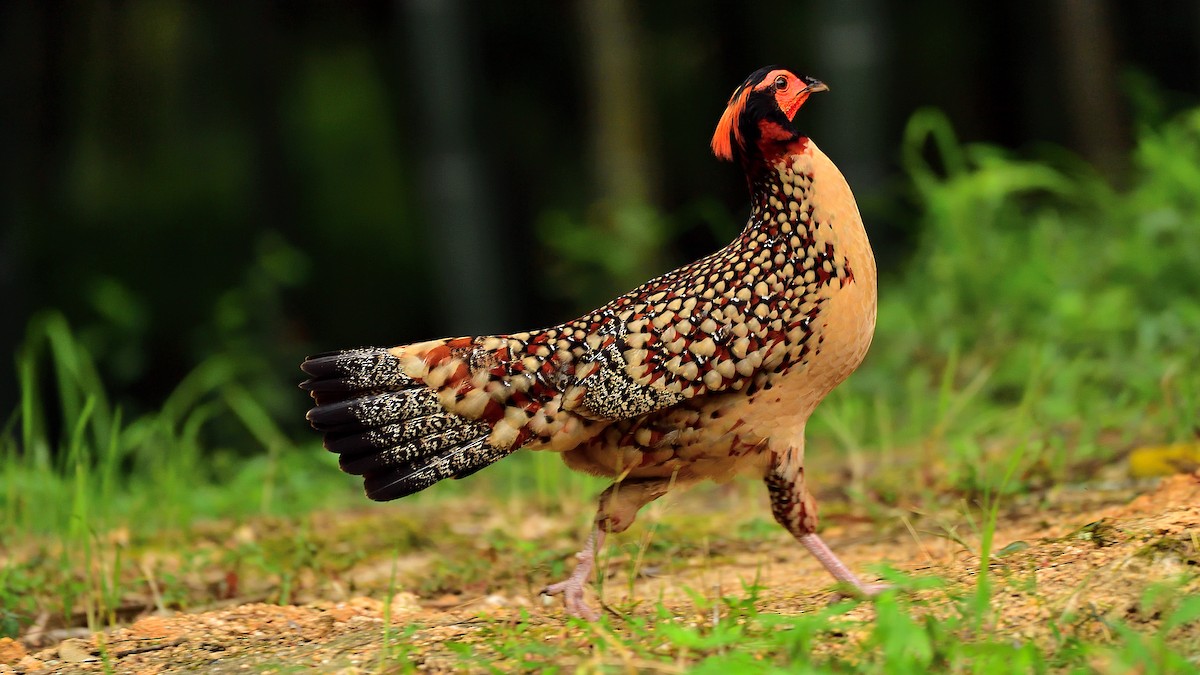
873,589
573,601
861,591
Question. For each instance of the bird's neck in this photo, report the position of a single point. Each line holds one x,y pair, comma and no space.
780,192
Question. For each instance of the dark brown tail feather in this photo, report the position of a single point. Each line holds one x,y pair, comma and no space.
388,427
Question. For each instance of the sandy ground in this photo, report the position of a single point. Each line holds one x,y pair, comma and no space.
1076,556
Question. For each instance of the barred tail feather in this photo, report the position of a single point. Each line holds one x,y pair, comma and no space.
390,428
460,462
336,376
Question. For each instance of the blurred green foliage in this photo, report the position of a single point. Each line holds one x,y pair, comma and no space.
1042,309
1018,257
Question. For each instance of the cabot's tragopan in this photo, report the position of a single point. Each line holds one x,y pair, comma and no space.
706,372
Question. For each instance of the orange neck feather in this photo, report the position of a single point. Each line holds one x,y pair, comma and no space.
722,145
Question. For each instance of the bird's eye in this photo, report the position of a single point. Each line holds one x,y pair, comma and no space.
781,83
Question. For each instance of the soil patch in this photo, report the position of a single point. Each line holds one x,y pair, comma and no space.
1063,561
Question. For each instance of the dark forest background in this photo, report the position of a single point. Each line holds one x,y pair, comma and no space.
185,179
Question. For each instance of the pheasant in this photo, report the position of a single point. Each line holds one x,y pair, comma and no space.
703,373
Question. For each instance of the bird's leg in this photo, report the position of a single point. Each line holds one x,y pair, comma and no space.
619,505
795,509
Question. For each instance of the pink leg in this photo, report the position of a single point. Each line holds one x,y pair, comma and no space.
795,509
618,507
836,567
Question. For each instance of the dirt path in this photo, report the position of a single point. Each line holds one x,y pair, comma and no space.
1090,555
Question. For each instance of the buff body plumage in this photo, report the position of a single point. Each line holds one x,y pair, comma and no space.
706,372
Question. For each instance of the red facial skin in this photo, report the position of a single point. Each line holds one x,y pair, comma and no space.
790,96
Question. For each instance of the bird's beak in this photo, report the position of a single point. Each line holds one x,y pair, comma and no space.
814,85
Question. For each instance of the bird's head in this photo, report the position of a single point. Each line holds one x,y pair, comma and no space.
761,111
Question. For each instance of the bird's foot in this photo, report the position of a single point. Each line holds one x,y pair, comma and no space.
572,587
573,602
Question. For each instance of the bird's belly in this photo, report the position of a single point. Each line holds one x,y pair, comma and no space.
847,323
705,440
